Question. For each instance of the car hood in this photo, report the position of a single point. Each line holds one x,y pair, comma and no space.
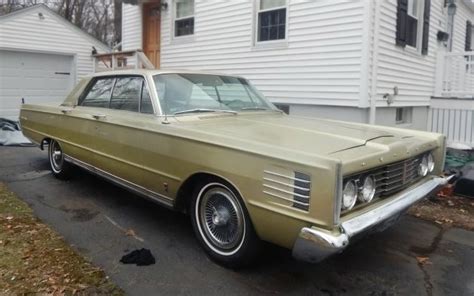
298,134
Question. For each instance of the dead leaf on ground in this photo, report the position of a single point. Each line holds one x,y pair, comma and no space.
422,260
130,232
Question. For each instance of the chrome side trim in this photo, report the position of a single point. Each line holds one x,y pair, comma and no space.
287,177
286,198
315,244
153,196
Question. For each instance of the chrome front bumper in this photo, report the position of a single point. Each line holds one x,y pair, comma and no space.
315,244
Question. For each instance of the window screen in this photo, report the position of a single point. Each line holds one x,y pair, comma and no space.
99,94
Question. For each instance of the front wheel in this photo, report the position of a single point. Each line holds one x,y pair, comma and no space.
222,225
60,168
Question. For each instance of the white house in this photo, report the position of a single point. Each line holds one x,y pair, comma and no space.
366,61
42,56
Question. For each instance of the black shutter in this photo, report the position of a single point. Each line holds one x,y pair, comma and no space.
468,46
426,28
402,14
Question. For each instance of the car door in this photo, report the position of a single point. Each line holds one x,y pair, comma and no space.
118,132
79,123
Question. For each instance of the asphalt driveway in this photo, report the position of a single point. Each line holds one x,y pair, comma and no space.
103,222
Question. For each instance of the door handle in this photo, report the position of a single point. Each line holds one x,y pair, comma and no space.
99,116
66,110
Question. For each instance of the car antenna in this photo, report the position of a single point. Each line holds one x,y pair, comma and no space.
165,121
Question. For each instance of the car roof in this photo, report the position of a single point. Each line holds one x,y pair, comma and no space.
152,72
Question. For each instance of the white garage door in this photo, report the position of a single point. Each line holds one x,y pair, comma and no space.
34,77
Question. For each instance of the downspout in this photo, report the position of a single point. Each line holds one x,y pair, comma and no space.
364,92
375,57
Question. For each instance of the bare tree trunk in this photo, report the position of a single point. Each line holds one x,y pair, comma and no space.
117,21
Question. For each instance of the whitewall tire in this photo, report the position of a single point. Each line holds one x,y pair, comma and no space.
222,225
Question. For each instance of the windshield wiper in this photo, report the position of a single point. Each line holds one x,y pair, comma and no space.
203,110
254,108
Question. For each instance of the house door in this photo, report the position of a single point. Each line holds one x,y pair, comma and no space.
152,31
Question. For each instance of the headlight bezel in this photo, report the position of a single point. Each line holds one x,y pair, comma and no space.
423,166
431,162
367,197
349,206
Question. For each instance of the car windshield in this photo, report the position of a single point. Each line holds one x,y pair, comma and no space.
195,93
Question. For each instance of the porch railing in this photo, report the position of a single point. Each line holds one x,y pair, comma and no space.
133,59
453,117
457,75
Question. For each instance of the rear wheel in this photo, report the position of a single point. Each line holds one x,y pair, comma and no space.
222,225
60,168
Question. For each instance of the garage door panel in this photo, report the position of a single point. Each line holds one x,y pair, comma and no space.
36,77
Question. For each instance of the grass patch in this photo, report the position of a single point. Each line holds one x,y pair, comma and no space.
35,259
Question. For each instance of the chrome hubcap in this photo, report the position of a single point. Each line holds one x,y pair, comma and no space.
56,156
221,218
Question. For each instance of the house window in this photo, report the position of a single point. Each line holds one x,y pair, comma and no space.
183,18
413,22
469,34
403,115
284,108
271,20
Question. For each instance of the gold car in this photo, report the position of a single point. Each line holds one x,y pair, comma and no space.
212,146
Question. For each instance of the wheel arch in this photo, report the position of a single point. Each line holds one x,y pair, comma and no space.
186,190
45,142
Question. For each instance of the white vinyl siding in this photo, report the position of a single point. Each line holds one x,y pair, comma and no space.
26,32
328,58
405,68
132,31
319,64
463,14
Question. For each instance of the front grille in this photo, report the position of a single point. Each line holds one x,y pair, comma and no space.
393,177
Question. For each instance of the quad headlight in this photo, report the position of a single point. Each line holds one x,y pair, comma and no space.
431,162
423,166
367,191
349,195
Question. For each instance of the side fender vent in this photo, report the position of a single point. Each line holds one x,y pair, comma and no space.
293,187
